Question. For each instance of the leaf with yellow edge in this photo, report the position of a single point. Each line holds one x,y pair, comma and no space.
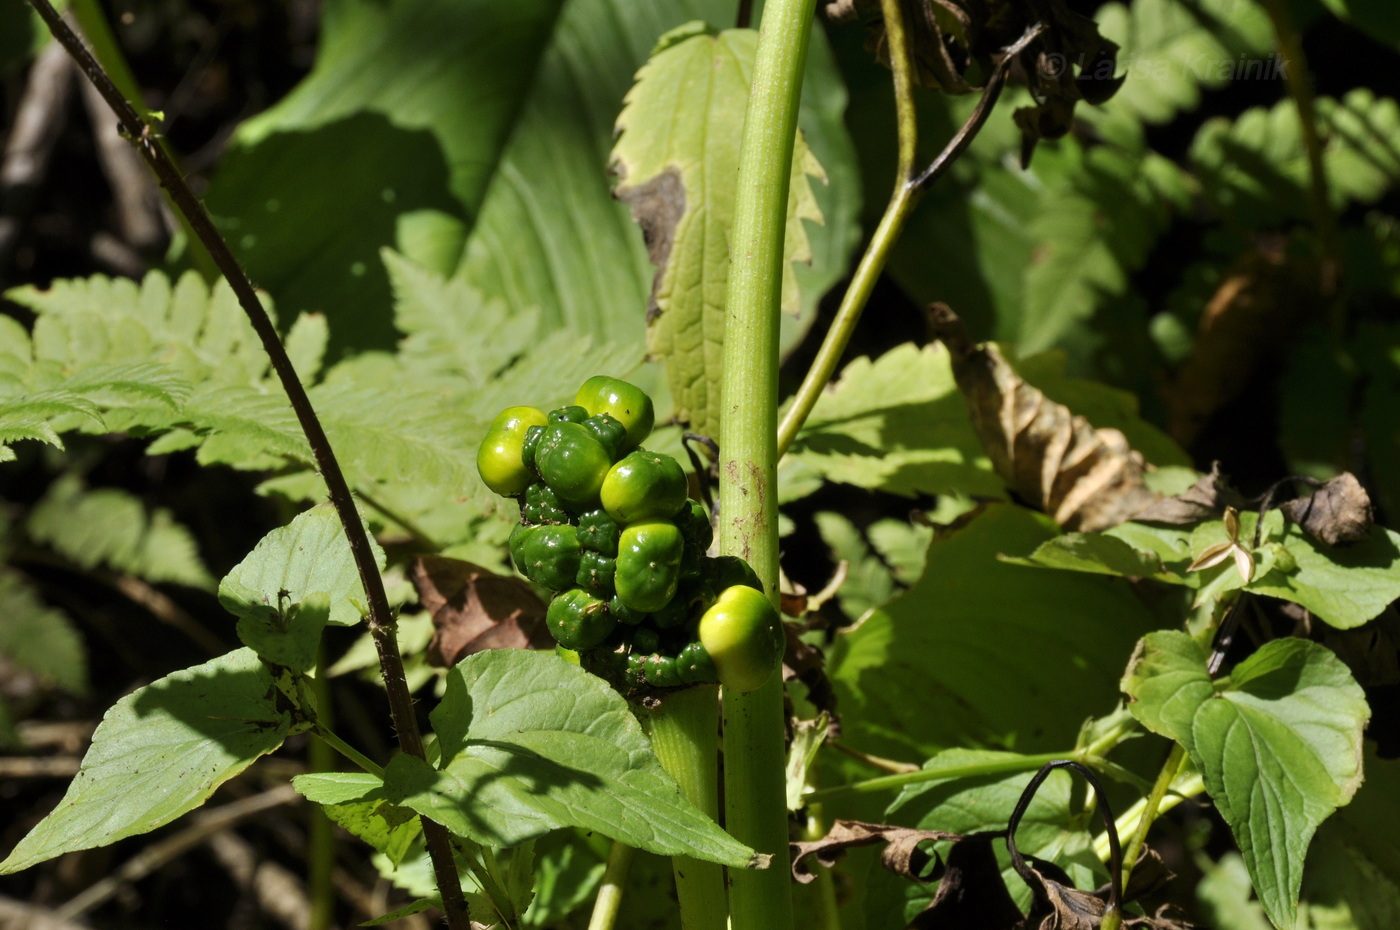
677,160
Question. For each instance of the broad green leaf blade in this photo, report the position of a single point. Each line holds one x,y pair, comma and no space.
390,141
531,744
310,556
897,424
676,159
113,528
997,654
356,801
1279,744
551,236
38,638
1352,878
1098,553
968,803
1343,586
159,753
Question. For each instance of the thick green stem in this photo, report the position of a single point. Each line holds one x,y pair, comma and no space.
345,749
969,770
1170,769
881,242
609,900
755,794
683,729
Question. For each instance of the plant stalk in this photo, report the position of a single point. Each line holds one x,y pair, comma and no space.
609,899
682,730
872,263
754,778
380,620
320,845
1151,808
969,770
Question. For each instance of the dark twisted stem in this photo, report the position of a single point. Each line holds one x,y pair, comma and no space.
380,620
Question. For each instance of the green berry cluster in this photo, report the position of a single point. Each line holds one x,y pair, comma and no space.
609,527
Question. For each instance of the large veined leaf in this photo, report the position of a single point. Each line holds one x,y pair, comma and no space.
1352,877
677,160
310,556
355,801
531,744
549,234
113,528
1278,742
390,141
995,653
897,424
38,638
1051,829
159,753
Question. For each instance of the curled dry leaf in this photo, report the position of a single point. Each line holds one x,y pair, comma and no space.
1337,513
475,609
955,45
1203,501
901,855
1086,479
806,663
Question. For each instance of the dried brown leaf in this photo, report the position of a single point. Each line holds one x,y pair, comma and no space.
806,663
956,44
1337,513
475,609
1203,501
901,854
1086,479
1057,905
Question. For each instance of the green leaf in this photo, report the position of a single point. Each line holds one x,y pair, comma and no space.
391,140
998,654
567,874
1171,50
677,158
1224,894
160,752
897,424
531,744
1051,828
308,558
1352,878
1255,172
22,34
40,639
869,582
1377,18
1345,585
1098,553
356,801
113,528
1278,743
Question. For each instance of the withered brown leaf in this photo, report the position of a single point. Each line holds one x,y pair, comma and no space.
475,609
901,854
1086,479
1337,513
1204,500
956,44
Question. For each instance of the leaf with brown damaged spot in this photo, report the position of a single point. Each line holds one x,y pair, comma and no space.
474,610
1086,479
1337,513
677,159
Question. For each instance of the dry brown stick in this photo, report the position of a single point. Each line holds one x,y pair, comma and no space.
38,122
278,892
380,620
137,199
203,826
16,915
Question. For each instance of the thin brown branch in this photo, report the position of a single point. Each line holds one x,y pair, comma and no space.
380,620
959,143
